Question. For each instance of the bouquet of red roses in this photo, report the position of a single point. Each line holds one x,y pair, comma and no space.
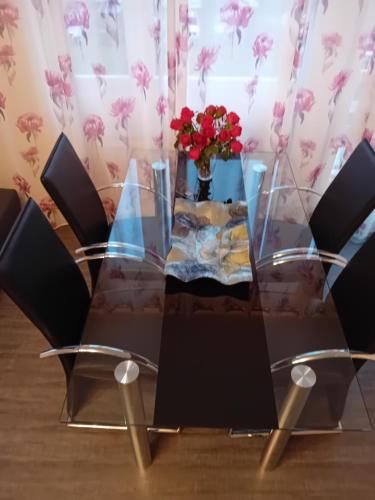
207,134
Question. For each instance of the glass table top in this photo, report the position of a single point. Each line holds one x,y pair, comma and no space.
209,353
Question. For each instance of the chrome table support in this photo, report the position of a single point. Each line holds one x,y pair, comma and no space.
127,377
303,379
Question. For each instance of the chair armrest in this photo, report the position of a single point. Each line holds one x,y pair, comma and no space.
319,355
99,349
303,253
110,186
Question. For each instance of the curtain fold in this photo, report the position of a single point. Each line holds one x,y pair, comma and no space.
112,73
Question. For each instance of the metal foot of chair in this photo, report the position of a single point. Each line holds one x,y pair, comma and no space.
127,377
303,379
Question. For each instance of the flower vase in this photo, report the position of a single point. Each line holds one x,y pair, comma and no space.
204,171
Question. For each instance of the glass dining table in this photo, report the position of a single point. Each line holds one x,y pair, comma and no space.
214,298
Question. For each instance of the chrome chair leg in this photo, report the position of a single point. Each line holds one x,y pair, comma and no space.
127,377
303,379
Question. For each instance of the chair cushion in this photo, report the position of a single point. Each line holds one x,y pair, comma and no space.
9,209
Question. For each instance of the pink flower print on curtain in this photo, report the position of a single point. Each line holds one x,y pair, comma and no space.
93,128
161,107
182,46
60,90
114,170
100,72
338,83
65,65
142,76
8,62
77,20
206,58
304,102
30,124
261,46
49,208
330,42
278,116
251,88
158,140
122,109
315,174
250,145
2,105
341,142
31,156
236,14
8,19
366,46
298,41
172,76
308,148
154,31
22,185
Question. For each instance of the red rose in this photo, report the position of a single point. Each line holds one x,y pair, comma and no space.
200,117
209,132
194,153
233,118
207,121
210,110
176,124
186,115
236,147
224,136
198,139
236,131
221,111
185,140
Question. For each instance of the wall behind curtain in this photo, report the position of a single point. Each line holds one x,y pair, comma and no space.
112,73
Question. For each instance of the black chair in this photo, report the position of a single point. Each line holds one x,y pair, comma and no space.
75,195
40,276
346,203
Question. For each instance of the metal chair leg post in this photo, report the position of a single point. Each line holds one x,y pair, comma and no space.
303,379
127,377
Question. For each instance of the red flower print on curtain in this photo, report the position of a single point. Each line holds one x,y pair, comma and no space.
9,16
22,185
61,90
109,207
77,20
93,128
48,207
100,72
341,141
31,156
31,125
236,15
314,174
206,58
308,148
261,46
330,42
304,102
142,76
114,171
122,109
2,105
8,62
338,83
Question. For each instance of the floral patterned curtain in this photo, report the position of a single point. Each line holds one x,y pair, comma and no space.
111,74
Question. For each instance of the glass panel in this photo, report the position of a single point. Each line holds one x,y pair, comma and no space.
294,301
